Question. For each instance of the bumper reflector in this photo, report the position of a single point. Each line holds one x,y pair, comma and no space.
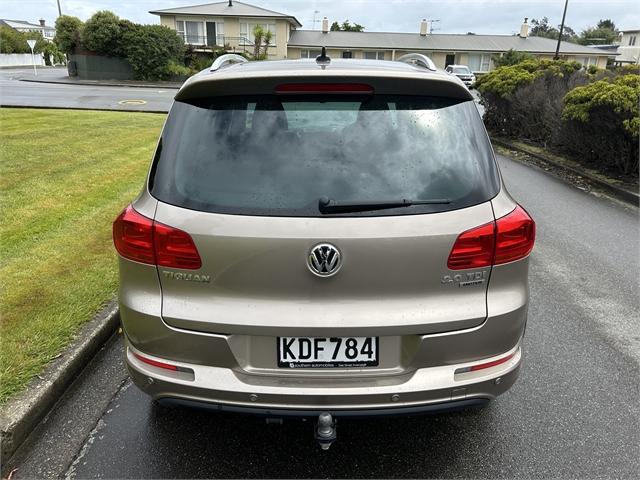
155,363
482,366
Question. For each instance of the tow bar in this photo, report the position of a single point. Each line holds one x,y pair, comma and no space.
325,430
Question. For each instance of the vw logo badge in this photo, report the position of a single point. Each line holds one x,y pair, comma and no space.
324,260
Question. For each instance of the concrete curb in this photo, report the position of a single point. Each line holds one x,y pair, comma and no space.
98,83
20,415
618,192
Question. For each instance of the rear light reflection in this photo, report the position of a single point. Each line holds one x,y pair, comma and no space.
507,239
143,240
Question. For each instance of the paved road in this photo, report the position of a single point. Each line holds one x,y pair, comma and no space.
14,92
573,413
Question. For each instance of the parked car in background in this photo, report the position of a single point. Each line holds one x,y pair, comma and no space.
463,73
320,238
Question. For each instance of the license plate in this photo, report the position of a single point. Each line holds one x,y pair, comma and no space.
327,352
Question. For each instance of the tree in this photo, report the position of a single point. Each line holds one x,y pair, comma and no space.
261,42
68,33
12,41
542,28
346,27
102,33
604,33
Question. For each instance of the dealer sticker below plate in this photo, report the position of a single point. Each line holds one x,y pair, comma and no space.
323,352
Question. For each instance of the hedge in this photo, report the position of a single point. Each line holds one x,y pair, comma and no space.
590,114
155,52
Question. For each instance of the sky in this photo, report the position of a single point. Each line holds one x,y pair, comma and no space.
453,16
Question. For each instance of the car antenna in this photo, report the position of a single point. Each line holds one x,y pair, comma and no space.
322,59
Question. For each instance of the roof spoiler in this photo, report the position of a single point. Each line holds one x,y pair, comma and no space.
418,59
225,60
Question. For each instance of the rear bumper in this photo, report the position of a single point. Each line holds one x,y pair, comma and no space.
436,408
424,390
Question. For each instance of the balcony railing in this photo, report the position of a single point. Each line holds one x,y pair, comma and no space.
232,44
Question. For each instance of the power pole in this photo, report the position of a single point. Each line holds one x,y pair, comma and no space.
59,9
564,14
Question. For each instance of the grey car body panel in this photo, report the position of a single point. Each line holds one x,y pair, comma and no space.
390,285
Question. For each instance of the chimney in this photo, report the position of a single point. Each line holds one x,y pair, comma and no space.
230,3
325,25
41,22
524,29
424,27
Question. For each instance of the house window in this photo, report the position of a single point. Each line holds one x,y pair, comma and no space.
201,33
374,55
347,54
305,53
586,61
632,40
246,32
479,62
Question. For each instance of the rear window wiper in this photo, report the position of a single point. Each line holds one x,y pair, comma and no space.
327,205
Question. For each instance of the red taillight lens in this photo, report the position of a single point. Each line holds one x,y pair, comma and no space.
133,236
473,248
508,239
342,88
175,248
515,236
139,238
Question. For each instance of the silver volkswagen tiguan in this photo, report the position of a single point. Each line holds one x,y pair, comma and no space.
324,238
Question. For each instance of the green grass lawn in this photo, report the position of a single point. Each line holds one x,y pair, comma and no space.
64,176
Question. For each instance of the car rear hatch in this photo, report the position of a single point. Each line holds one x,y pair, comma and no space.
257,181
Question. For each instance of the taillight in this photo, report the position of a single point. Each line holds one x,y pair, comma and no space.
133,236
507,239
473,248
175,248
515,236
139,238
332,88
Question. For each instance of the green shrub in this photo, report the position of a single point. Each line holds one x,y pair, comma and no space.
102,34
68,33
150,48
177,69
12,41
511,57
603,119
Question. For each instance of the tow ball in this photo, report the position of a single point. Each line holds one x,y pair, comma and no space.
325,430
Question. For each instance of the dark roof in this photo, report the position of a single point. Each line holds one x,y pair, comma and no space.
434,42
222,9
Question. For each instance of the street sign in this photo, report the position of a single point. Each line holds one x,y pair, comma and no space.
32,43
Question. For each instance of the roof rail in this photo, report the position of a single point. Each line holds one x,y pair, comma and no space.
227,59
418,59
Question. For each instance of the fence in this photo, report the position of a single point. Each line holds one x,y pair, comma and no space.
20,59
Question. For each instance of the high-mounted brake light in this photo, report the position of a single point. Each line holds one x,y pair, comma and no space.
143,240
331,88
508,239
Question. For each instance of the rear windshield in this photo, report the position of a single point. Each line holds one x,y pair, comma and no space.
278,156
